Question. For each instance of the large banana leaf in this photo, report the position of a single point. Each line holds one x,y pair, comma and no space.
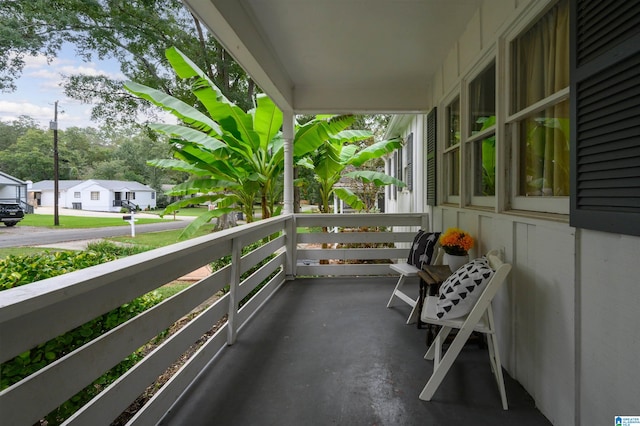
199,186
346,195
379,179
327,164
182,110
376,150
187,133
311,135
336,124
306,163
230,117
267,120
347,152
306,139
350,136
179,165
204,218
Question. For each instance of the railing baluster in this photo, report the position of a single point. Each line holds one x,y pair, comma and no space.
236,255
291,245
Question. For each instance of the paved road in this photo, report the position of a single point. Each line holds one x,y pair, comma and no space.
19,236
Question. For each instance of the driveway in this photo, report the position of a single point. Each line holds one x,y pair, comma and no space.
20,236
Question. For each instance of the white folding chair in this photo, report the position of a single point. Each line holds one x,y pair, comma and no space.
409,271
479,319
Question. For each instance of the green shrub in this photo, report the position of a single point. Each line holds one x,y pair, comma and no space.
20,270
25,269
117,250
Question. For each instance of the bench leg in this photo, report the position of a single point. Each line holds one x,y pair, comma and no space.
396,290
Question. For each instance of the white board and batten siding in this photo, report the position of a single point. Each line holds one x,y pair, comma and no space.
535,311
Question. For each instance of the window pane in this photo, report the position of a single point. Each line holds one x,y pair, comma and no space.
542,58
544,152
482,100
484,182
453,123
452,163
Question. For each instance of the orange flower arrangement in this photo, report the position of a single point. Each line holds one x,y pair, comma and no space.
456,242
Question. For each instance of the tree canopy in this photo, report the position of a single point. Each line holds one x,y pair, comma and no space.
134,32
26,152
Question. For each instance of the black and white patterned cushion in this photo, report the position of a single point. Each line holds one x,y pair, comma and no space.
459,293
423,248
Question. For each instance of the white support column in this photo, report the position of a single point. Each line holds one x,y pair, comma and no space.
288,134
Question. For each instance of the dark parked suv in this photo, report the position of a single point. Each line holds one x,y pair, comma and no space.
11,213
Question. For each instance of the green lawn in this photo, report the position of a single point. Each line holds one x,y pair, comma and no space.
160,239
169,290
186,211
45,220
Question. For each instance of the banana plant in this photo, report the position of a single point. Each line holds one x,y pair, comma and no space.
328,148
234,156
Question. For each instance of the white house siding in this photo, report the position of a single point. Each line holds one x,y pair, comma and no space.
107,196
609,325
47,198
535,311
569,317
104,204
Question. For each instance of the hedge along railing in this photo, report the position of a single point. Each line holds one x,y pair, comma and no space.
35,313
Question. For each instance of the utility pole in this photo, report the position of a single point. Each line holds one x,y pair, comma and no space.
54,126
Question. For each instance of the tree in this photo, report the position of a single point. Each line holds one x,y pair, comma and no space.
331,149
31,157
11,131
134,32
234,156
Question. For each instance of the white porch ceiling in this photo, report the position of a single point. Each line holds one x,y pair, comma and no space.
338,56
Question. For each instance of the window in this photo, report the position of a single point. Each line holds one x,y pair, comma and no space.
95,195
76,195
153,195
481,133
452,150
130,195
539,119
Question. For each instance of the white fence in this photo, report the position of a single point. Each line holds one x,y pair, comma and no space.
35,313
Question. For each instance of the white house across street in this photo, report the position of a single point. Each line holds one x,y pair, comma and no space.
93,194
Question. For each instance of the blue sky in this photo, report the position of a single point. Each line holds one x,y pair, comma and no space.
40,86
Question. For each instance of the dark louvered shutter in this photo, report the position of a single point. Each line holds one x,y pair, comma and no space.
605,115
409,146
431,158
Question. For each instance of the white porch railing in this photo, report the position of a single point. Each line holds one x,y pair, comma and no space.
35,313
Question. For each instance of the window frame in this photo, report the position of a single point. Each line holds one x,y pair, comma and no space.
95,195
513,120
469,139
445,151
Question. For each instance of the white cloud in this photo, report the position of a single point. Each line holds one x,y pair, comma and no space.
12,110
41,85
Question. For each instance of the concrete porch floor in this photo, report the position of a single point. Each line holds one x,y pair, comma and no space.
328,351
